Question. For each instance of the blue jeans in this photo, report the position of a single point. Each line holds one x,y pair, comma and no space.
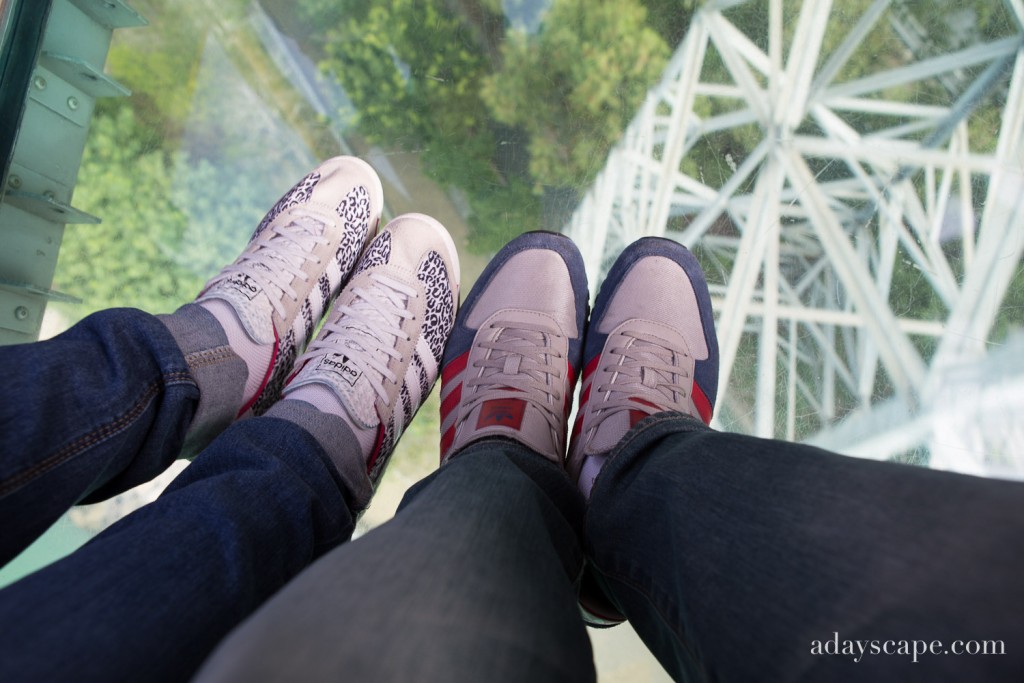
148,598
730,555
91,413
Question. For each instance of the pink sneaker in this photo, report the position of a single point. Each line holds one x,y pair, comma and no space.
378,355
511,364
650,348
271,298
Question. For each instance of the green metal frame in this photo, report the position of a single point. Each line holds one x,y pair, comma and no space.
56,58
22,25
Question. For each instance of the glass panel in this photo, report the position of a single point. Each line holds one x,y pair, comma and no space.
849,174
500,117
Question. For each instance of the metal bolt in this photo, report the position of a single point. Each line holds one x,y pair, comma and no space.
50,195
21,313
72,103
39,82
14,181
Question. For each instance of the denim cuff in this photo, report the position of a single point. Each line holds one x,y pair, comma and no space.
217,370
638,440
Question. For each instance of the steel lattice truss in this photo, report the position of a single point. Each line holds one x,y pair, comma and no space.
859,248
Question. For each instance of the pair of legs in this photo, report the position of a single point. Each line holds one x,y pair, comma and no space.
729,555
759,549
734,558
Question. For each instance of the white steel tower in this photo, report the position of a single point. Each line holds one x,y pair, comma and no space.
852,180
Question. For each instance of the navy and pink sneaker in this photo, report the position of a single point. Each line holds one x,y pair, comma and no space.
513,358
650,348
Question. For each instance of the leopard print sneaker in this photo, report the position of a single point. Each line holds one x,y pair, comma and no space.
377,356
272,297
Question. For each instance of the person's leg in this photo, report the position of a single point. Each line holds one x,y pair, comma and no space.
149,598
113,401
98,409
738,558
473,580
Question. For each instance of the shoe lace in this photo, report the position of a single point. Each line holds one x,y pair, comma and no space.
523,364
369,329
648,373
277,261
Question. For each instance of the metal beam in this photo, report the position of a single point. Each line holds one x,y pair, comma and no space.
902,362
747,267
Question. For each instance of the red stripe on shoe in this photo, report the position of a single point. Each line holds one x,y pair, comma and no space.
577,427
295,372
451,370
377,447
266,377
447,439
635,416
585,397
449,404
645,402
700,400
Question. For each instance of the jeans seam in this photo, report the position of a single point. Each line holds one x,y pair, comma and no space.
92,438
208,357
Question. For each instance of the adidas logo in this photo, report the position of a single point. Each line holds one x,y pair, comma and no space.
498,416
244,284
339,365
502,413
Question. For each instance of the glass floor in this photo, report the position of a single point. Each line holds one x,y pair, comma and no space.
849,174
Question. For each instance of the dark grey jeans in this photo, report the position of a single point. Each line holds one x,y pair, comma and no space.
734,558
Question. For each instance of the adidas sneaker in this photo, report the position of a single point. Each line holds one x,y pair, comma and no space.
514,355
271,298
377,356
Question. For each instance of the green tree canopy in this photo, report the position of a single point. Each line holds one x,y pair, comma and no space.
575,85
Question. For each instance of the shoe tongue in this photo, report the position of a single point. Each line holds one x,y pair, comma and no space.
610,432
348,382
250,303
612,428
347,379
517,419
372,313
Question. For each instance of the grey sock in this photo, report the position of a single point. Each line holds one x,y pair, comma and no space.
219,372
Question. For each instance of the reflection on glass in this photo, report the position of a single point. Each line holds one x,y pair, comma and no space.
607,120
